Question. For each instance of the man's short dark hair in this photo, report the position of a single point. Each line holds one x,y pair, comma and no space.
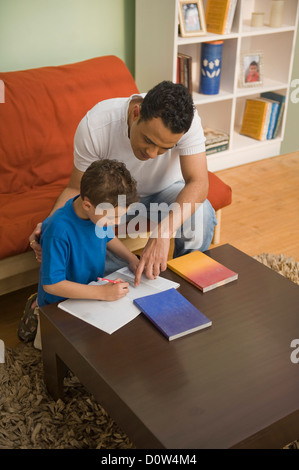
105,180
172,103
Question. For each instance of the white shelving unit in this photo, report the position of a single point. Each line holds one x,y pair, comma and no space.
157,46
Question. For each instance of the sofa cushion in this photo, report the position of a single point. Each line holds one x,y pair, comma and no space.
42,110
220,193
38,120
20,213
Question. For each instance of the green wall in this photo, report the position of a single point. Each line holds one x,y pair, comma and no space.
35,33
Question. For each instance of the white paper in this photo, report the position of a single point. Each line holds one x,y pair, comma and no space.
110,316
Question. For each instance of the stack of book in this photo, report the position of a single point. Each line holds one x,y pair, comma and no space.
219,16
184,71
263,116
216,141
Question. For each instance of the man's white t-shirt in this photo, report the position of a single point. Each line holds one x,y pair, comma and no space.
103,133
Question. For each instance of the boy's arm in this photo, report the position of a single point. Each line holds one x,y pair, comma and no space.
120,250
53,277
74,290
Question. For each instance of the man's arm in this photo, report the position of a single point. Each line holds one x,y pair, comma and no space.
120,250
72,189
155,253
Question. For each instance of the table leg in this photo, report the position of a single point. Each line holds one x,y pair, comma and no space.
54,373
54,368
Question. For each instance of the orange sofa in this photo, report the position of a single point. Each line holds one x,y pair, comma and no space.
38,121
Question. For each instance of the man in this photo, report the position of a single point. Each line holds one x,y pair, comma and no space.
160,139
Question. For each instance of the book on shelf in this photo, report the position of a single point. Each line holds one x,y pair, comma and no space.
216,140
278,97
215,148
172,314
219,16
202,271
256,119
273,116
263,121
184,70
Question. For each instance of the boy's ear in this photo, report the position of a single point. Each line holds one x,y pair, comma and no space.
86,204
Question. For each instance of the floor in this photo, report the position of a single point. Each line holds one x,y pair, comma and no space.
264,217
264,214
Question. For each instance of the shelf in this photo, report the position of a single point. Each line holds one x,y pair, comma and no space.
225,110
268,85
206,38
200,98
241,142
248,30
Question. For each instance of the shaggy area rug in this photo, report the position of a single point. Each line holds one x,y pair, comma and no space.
30,419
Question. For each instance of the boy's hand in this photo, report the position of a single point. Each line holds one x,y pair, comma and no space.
115,291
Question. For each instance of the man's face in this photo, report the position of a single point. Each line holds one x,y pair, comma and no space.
151,138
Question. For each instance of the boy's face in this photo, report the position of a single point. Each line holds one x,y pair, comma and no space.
253,69
106,215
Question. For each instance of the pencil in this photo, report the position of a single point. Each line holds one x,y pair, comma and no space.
109,280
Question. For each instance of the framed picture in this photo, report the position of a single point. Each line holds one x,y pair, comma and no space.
251,69
191,18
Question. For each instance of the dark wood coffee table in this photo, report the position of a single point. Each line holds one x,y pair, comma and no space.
231,385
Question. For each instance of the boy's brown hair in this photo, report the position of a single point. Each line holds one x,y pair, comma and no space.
104,180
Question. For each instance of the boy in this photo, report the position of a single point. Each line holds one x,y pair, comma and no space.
75,238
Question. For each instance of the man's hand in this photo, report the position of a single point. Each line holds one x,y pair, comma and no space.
153,259
133,265
34,242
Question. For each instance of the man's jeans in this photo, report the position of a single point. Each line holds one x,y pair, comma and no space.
195,234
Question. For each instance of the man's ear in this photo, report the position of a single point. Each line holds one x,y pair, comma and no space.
136,111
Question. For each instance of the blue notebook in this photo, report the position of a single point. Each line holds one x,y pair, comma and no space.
172,313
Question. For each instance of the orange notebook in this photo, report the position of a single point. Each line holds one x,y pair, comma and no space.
202,271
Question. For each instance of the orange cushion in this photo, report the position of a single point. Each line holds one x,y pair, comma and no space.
220,193
42,110
38,120
20,213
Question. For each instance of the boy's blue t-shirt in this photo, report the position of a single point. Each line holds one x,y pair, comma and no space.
73,249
